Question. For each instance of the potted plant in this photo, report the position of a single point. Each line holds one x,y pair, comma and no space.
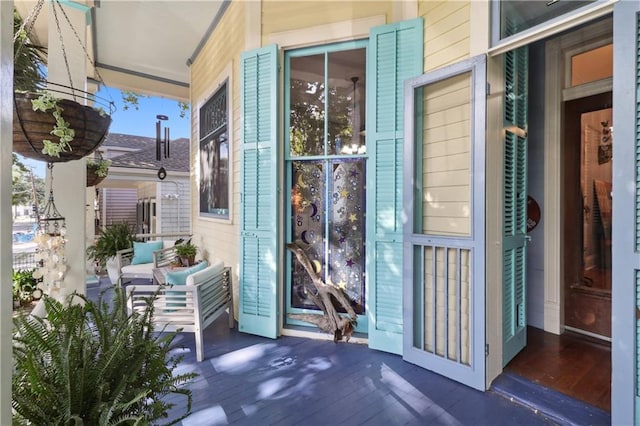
97,170
118,236
25,287
186,252
93,363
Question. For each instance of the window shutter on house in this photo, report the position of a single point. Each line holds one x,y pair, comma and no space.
515,203
395,54
258,307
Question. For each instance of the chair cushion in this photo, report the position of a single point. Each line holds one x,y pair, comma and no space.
180,277
143,270
143,252
201,276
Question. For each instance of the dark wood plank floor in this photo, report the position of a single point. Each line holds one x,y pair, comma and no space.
571,364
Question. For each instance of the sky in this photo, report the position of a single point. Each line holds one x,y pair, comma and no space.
141,122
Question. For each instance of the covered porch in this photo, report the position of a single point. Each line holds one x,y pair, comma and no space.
248,379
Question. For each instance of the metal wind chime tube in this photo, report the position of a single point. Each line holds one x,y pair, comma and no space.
162,146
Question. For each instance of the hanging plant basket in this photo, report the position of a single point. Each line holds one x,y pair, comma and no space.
31,127
92,178
96,172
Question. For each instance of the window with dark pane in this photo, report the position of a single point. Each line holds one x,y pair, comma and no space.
214,156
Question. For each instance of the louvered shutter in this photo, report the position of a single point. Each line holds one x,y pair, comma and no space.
395,54
258,308
514,325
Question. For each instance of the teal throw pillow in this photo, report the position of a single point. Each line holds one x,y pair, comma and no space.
143,252
180,277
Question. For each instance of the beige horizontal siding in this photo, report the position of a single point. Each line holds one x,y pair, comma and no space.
279,16
446,119
447,32
218,239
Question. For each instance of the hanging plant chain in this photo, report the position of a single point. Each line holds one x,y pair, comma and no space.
30,20
86,53
64,52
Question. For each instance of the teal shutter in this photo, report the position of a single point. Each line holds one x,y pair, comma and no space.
395,54
625,297
258,308
514,319
636,139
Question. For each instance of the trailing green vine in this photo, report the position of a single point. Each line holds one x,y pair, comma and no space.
45,103
101,166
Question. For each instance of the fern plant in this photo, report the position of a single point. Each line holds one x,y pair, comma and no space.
91,363
115,237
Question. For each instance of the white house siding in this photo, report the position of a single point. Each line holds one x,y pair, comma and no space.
122,205
173,206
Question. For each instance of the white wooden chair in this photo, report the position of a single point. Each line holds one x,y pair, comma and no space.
187,308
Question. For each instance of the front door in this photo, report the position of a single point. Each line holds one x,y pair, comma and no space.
444,236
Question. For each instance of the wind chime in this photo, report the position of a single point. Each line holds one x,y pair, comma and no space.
51,239
162,145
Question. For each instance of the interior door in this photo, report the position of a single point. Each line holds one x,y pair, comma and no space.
587,242
625,393
444,255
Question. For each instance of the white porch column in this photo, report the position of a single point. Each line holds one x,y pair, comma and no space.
69,179
6,148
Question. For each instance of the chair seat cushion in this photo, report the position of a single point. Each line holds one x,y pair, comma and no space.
143,270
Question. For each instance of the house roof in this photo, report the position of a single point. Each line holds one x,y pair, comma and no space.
132,142
145,158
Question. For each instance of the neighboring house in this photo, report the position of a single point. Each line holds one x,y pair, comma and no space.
400,142
133,192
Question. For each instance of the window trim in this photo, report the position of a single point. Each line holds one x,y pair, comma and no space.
224,78
288,159
553,26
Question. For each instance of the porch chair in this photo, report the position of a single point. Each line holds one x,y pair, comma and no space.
190,304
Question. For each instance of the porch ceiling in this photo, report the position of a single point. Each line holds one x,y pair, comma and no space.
142,46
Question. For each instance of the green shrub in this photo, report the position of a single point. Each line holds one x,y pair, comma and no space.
91,364
24,285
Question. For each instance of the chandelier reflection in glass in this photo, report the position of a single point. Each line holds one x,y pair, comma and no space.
51,240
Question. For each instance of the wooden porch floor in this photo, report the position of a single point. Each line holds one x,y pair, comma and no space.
250,380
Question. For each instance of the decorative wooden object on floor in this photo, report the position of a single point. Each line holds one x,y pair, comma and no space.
331,321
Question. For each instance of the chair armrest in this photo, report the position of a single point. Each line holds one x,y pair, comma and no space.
164,257
123,257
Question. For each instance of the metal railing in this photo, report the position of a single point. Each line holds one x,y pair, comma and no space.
25,261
